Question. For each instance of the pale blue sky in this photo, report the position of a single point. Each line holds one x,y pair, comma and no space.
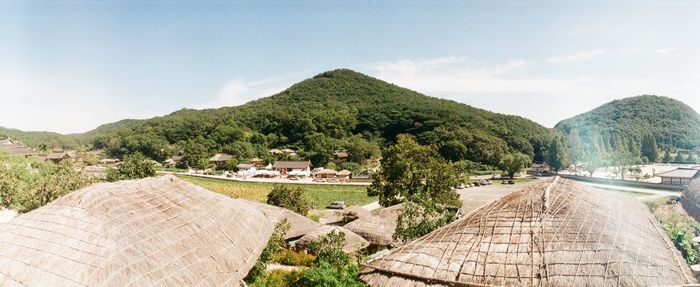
69,66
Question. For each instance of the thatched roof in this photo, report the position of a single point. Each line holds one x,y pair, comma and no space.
221,157
280,164
335,217
344,172
327,171
377,227
157,231
690,198
353,242
376,230
556,233
299,224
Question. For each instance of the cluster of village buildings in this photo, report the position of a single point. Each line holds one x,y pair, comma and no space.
255,167
681,176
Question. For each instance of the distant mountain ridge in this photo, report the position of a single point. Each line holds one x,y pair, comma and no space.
336,108
621,124
323,113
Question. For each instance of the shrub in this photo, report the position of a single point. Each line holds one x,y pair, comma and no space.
294,258
134,166
289,198
274,245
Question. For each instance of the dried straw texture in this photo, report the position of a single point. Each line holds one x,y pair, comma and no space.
336,217
557,233
377,230
690,199
353,242
299,224
151,232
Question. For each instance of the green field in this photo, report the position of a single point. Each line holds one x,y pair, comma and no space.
319,195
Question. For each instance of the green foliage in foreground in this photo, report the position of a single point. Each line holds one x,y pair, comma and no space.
134,166
680,227
417,220
414,174
332,268
291,198
27,184
275,244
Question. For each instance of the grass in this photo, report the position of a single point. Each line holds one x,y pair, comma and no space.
318,195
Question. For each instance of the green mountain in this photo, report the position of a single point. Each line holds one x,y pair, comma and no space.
622,124
334,110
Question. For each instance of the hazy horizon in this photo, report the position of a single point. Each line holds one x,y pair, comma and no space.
69,67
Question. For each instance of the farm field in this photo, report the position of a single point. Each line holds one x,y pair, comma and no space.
319,195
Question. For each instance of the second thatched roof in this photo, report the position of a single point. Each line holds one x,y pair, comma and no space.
151,232
299,224
557,233
353,242
690,198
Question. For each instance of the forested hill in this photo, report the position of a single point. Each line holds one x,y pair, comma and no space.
622,124
338,109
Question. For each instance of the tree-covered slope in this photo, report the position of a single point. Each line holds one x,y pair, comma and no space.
622,124
339,109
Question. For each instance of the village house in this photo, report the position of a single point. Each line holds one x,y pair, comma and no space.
283,152
681,176
220,159
296,168
174,160
59,156
340,156
343,175
246,167
256,161
540,168
13,147
325,173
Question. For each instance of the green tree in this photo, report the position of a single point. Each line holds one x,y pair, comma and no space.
679,158
410,170
275,244
134,166
593,162
514,163
623,161
667,157
649,148
417,220
292,198
557,157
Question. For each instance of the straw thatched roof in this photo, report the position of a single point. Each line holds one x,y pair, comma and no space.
337,216
299,224
557,233
353,242
377,230
378,227
157,231
690,199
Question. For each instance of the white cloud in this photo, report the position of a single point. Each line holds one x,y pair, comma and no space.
665,51
575,57
238,92
458,75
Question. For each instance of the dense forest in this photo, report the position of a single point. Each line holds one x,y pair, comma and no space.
339,109
623,125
